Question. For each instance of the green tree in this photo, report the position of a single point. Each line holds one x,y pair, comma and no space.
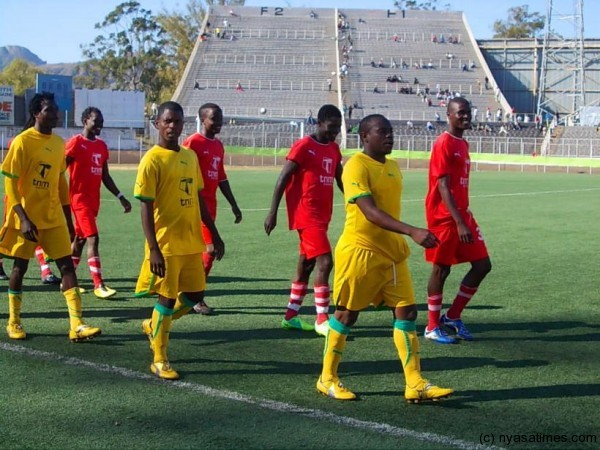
432,5
128,54
520,24
20,75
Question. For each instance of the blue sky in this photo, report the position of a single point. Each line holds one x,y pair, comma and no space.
57,28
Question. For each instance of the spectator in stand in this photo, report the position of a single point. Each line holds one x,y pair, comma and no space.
430,126
329,81
499,115
238,87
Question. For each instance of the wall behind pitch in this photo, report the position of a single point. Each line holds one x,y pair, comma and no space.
120,108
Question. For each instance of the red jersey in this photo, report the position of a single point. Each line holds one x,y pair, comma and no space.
309,194
210,154
449,157
85,171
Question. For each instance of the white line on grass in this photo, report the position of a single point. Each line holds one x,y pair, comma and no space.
512,194
381,428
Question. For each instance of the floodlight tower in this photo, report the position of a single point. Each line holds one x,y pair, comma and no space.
562,71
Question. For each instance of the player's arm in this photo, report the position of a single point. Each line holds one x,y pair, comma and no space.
28,228
63,194
112,187
288,170
376,216
218,244
157,260
464,232
228,194
338,177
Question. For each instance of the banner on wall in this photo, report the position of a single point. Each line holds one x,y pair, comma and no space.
7,105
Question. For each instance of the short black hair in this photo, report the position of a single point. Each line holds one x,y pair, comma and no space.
458,100
35,106
367,122
87,112
170,105
208,107
328,112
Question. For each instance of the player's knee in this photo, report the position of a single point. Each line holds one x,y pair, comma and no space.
325,263
483,267
406,313
20,268
440,272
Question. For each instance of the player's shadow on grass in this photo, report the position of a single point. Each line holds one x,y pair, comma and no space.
244,291
556,391
222,279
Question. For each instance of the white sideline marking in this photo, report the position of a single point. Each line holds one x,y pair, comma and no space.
513,194
272,405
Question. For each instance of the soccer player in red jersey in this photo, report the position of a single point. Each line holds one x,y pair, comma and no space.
87,160
313,165
449,218
211,154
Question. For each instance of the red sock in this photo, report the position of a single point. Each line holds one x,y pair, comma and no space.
297,294
76,260
207,261
460,302
44,266
322,302
434,306
95,271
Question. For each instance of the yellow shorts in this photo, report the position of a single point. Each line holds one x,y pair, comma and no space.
55,242
183,274
364,278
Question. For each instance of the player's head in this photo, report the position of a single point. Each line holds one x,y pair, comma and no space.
376,134
459,114
92,121
329,123
211,118
169,123
43,112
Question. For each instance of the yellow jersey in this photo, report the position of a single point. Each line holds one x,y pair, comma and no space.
37,161
364,176
172,179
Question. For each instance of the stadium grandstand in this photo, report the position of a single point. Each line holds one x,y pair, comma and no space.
272,68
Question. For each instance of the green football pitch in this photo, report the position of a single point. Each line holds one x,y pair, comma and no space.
529,380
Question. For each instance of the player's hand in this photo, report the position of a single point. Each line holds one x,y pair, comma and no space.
464,233
157,263
270,223
218,248
29,230
125,204
237,213
424,238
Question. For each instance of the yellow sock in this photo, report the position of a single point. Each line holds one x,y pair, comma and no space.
407,343
335,342
183,305
74,306
14,306
162,318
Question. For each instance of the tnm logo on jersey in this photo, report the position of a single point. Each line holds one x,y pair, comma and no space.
42,169
327,166
185,185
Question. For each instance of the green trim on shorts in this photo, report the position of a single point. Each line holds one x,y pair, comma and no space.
10,175
141,197
148,291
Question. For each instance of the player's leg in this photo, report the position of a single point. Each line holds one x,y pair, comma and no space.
208,259
291,321
468,288
101,290
47,276
15,328
435,297
161,322
78,330
476,253
77,249
329,383
407,344
442,257
322,292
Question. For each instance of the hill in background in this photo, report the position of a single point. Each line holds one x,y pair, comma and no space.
10,52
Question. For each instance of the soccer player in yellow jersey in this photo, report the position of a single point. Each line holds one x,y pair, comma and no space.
371,262
38,213
168,183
